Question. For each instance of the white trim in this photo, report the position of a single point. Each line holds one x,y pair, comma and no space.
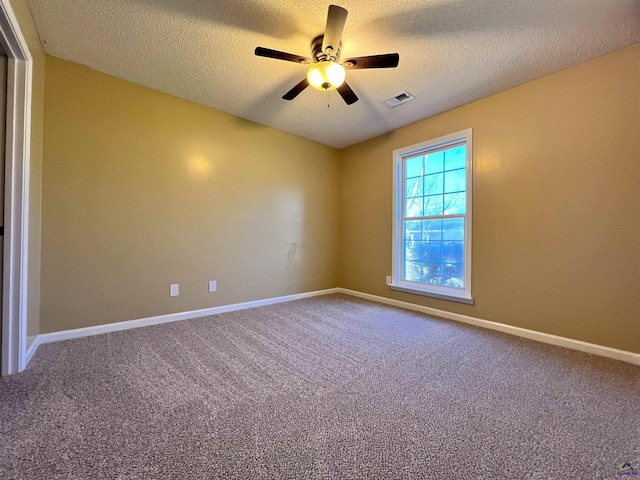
442,296
625,356
172,317
463,137
16,207
31,350
630,357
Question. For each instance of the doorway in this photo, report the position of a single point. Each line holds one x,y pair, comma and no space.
15,208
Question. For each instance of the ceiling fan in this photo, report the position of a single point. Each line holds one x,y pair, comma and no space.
326,71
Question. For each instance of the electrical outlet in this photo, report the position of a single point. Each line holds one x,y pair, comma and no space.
388,279
174,290
213,285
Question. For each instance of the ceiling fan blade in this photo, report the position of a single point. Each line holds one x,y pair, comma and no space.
336,19
347,94
289,57
387,60
295,91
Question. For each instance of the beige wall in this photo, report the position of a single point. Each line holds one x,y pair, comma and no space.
23,14
556,227
141,189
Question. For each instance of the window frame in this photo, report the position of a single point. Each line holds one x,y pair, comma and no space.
431,146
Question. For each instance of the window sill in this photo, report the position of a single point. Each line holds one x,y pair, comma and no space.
441,296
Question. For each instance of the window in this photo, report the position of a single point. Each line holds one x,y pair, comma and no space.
432,218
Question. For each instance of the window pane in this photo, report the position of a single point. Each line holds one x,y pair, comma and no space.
433,184
412,271
431,273
452,275
433,205
455,181
412,230
434,252
431,230
431,252
414,166
414,187
455,158
453,252
453,229
412,250
413,207
455,203
434,163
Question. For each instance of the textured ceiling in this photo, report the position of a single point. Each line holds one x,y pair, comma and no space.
452,52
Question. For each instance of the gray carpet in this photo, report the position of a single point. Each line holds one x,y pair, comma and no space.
328,388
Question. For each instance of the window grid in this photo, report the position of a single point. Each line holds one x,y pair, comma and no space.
432,188
428,269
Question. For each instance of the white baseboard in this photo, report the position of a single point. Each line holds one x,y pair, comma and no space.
172,317
608,352
31,349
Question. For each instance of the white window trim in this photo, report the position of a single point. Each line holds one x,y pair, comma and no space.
437,291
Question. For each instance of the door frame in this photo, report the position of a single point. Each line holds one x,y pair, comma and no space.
16,205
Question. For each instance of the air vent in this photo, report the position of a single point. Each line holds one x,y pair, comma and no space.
399,99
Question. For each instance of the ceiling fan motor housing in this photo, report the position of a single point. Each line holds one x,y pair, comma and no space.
319,55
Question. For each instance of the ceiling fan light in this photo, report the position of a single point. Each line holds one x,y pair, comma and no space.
325,75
